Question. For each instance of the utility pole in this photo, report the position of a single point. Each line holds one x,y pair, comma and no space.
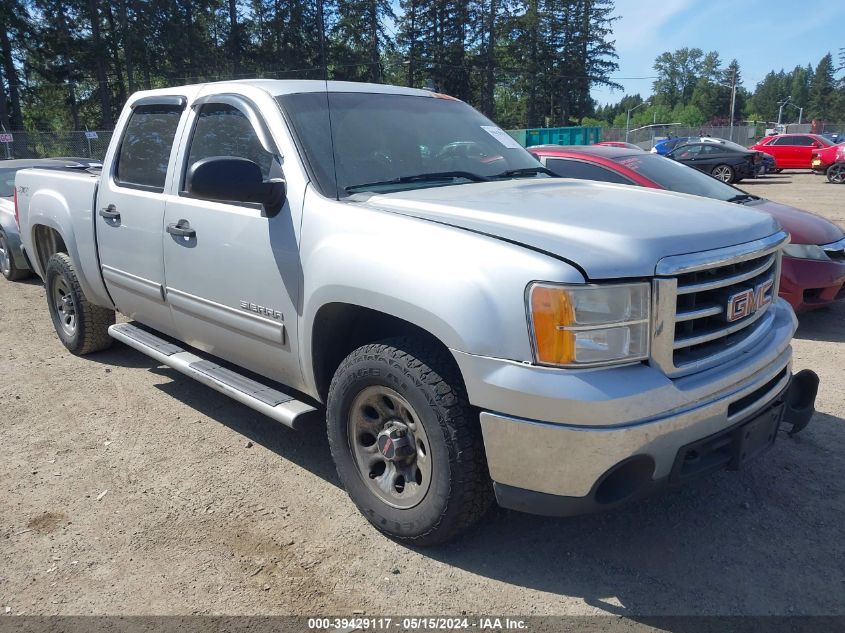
733,102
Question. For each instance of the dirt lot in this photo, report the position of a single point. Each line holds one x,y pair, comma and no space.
126,488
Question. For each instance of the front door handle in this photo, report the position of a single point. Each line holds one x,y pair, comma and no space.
110,213
181,229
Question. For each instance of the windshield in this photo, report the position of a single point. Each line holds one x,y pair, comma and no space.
390,142
7,182
677,177
825,141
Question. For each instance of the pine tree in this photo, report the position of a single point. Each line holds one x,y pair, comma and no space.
359,38
822,90
14,28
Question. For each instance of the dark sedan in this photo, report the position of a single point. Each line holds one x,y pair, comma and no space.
720,161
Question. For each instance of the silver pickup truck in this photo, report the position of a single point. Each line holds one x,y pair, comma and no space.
468,325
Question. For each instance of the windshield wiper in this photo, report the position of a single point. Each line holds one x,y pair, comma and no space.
433,176
524,171
743,197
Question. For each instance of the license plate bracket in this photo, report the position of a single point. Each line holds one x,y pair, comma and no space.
731,449
755,436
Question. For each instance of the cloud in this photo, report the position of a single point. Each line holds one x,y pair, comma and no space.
642,20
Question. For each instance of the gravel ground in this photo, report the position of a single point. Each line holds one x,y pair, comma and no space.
126,488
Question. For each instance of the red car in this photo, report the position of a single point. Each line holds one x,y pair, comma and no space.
826,157
813,271
792,151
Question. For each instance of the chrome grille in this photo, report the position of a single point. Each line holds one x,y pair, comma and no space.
692,328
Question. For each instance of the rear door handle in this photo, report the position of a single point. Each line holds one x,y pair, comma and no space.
110,213
181,229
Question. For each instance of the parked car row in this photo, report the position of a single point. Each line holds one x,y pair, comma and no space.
388,266
778,152
813,271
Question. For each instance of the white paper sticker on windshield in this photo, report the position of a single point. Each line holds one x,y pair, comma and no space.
500,135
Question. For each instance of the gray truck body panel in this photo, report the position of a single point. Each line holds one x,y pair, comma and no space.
454,261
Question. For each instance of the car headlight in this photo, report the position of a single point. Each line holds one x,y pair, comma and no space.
588,325
805,251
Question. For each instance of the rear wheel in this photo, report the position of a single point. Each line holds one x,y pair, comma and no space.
836,173
406,442
725,173
7,262
82,326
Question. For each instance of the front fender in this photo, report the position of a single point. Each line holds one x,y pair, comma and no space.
466,289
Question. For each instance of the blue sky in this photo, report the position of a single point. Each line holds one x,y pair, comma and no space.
763,36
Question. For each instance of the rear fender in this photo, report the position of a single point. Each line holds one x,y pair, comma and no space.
49,208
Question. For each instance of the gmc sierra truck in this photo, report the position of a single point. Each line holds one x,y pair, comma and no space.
388,260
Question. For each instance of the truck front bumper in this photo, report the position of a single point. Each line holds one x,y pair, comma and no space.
596,438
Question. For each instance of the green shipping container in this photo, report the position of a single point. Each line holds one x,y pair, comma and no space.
557,136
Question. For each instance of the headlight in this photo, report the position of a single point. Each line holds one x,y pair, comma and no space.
578,326
805,251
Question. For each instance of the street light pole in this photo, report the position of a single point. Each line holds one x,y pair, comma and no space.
800,112
780,109
732,86
628,119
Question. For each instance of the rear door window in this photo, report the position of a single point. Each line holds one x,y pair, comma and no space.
712,149
687,151
145,149
585,171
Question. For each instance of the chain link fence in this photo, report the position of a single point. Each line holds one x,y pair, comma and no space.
81,144
742,134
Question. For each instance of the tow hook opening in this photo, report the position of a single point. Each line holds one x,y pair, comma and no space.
800,400
625,480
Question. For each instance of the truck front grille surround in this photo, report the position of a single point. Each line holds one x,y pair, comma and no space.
711,306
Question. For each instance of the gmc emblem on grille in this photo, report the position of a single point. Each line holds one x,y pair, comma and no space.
748,301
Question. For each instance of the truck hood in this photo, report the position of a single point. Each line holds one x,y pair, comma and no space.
804,227
609,231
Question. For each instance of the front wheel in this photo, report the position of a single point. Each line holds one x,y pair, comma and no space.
406,442
82,326
725,173
836,173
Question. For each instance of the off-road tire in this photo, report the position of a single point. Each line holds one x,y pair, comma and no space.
92,321
11,272
425,375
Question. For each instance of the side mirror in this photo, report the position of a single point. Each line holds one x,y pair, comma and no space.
231,179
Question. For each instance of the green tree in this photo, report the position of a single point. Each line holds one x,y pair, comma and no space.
822,94
678,73
14,28
359,38
768,93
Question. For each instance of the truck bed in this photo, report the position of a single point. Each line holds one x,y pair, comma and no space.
63,200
